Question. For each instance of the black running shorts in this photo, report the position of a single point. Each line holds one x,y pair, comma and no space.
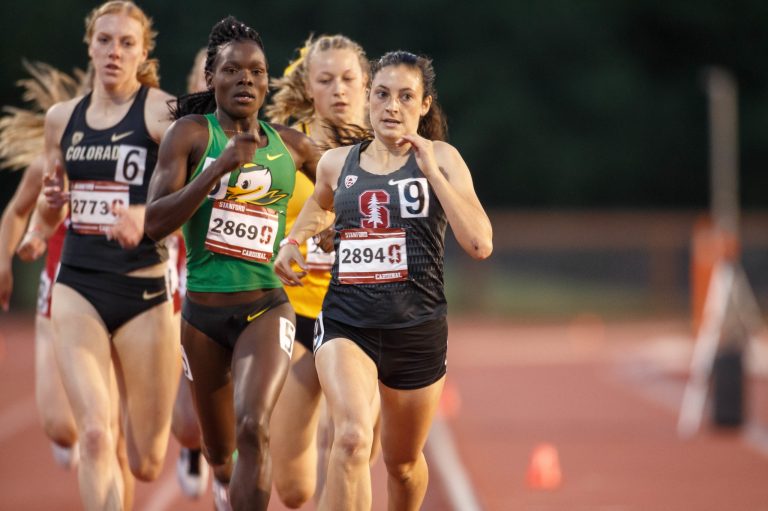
406,358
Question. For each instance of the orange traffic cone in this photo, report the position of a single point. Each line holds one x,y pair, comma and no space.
544,468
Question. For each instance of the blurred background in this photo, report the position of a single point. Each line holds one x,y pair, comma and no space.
584,123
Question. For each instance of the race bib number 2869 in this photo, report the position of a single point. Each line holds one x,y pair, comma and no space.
242,230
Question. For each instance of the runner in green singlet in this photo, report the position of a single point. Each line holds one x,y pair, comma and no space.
226,178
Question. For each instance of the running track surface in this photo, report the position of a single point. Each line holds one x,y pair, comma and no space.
605,396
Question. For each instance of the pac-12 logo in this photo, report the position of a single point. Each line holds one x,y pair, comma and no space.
373,206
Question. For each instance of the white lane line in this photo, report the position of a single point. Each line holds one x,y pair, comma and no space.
445,460
17,417
166,491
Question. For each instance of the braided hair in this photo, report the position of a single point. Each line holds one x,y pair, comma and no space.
225,32
432,125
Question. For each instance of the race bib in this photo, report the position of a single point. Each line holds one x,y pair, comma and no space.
131,164
317,259
242,230
372,256
92,204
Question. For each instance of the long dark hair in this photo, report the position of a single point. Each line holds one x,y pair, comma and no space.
226,31
432,125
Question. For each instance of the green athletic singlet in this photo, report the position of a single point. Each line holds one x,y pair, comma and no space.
233,236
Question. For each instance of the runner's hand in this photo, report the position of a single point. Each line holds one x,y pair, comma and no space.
53,187
128,228
239,150
424,151
286,258
32,246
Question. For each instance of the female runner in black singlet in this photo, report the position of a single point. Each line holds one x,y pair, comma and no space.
110,302
383,318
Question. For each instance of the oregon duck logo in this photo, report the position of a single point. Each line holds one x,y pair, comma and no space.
253,185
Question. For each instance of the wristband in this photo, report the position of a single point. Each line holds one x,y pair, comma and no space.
288,241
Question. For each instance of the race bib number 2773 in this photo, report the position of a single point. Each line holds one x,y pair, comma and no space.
92,205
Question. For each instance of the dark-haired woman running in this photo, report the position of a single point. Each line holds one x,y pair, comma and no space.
226,178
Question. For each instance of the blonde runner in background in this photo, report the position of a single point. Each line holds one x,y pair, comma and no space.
324,87
21,147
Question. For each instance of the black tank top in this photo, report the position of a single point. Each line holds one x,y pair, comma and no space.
390,241
119,162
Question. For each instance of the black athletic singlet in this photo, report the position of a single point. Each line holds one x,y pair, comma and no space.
390,241
105,167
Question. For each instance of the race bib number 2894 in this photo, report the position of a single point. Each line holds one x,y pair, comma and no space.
372,256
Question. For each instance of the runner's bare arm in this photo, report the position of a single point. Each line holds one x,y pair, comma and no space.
172,200
19,209
304,151
128,229
317,213
451,180
34,241
53,209
157,112
12,225
315,216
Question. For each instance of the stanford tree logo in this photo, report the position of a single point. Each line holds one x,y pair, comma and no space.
373,206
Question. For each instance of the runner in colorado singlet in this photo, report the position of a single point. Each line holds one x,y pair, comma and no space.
110,301
383,326
227,177
108,169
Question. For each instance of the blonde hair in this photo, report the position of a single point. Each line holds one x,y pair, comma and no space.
147,73
21,130
290,102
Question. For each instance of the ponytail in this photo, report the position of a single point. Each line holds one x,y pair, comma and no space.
194,103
